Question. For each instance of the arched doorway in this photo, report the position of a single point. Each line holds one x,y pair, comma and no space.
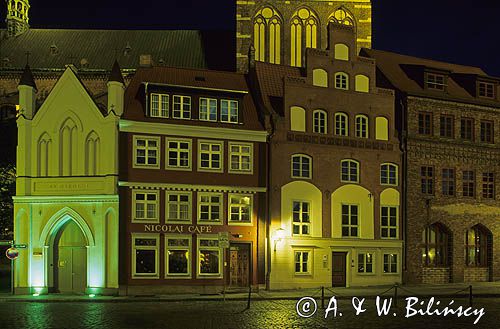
70,259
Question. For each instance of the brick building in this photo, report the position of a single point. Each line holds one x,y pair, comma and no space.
448,119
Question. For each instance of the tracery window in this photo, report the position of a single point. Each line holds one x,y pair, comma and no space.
304,34
267,35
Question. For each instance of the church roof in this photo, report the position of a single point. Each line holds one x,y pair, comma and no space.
97,49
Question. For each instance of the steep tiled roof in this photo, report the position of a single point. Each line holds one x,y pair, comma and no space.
97,49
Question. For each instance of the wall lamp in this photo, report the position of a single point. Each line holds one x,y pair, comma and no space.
278,235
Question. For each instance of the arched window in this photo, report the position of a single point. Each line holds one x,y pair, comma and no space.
267,35
341,52
476,246
43,155
341,81
349,171
342,16
435,250
297,119
388,174
319,122
381,128
361,123
320,78
362,83
341,124
92,154
301,166
67,148
303,34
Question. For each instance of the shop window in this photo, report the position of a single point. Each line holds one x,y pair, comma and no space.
177,254
145,249
209,257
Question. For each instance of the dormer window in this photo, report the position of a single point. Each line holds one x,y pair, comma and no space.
435,81
486,89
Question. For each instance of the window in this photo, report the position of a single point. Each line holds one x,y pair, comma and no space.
145,256
182,107
301,218
145,207
341,52
267,35
362,83
390,263
301,166
361,126
302,259
435,249
425,123
178,206
229,111
488,185
341,81
178,154
341,125
381,128
350,220
349,171
320,78
486,90
365,262
304,34
341,16
146,151
427,180
210,207
467,129
159,105
209,257
468,183
177,253
297,119
388,174
210,156
240,156
476,247
446,126
208,109
486,131
448,182
240,208
319,122
389,222
435,81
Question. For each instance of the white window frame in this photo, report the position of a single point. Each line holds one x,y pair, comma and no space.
350,225
189,249
134,206
240,155
156,248
321,116
388,177
189,204
398,260
210,152
240,206
341,75
208,108
163,106
361,126
350,162
181,101
301,223
389,226
301,261
168,166
220,221
373,262
157,139
301,171
230,103
338,118
198,260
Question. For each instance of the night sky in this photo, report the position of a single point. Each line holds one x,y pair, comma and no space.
449,30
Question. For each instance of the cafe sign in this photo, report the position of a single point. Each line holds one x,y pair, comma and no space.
157,228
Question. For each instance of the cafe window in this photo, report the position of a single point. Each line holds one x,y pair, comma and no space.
210,207
145,206
178,256
178,206
209,257
145,250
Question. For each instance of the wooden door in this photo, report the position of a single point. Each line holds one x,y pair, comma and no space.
239,265
339,269
72,270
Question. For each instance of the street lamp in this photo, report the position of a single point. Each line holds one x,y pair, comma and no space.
278,235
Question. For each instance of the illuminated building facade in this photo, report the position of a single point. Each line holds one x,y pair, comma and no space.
191,171
334,170
448,118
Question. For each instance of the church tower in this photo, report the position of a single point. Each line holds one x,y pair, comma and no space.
281,30
17,17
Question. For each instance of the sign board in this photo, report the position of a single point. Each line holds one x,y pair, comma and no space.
224,239
20,246
12,253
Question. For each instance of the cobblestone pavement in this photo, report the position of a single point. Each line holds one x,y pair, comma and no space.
228,314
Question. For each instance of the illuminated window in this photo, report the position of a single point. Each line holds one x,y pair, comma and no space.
209,257
389,222
486,131
342,16
146,151
427,180
240,157
319,122
177,254
486,90
297,119
388,174
178,206
178,153
159,105
208,109
210,156
240,208
446,126
390,263
448,182
341,52
301,166
302,262
304,31
467,129
320,78
361,125
267,35
341,124
228,111
181,107
145,206
435,81
381,128
488,185
365,262
301,212
476,247
349,171
145,251
210,207
341,81
435,250
350,220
